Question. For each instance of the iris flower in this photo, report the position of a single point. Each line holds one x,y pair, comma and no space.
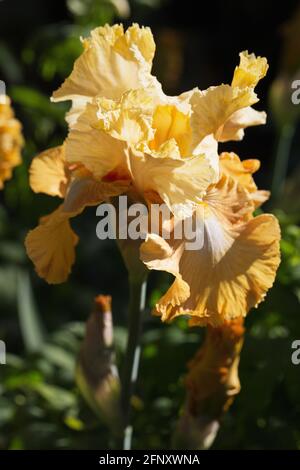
11,140
127,136
138,143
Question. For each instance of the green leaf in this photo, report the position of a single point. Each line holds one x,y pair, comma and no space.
57,397
56,355
31,326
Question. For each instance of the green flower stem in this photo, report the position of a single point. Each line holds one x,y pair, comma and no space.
132,358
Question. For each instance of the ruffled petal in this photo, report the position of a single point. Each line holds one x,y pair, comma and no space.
157,254
214,106
89,192
112,63
128,119
225,111
240,280
51,247
179,183
226,289
168,149
241,171
250,70
136,38
209,147
96,149
228,201
48,172
233,128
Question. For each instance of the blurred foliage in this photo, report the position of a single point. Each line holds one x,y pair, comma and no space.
43,326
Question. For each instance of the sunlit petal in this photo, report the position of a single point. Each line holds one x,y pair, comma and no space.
250,70
233,128
48,172
242,172
214,106
112,63
180,183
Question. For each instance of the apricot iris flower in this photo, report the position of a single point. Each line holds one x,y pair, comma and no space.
127,136
11,140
